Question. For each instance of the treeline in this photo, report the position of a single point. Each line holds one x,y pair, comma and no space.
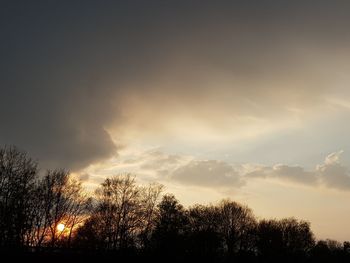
50,213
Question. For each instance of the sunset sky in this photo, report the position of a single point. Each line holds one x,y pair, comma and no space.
248,100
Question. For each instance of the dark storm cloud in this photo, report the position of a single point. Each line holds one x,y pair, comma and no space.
67,67
55,95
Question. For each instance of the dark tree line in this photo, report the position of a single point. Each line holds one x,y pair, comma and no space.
50,213
33,205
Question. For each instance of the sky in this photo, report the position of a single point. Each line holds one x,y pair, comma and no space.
247,100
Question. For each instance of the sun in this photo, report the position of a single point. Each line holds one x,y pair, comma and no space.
60,227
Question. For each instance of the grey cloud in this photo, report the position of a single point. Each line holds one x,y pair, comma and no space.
187,170
207,173
331,174
61,126
157,160
284,172
72,72
219,174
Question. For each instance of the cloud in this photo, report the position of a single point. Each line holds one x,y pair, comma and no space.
207,173
284,172
188,170
84,177
333,174
157,160
332,159
183,169
60,126
157,165
77,79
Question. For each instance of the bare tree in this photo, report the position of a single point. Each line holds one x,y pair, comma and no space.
124,215
59,199
237,223
120,210
17,182
118,207
79,205
149,201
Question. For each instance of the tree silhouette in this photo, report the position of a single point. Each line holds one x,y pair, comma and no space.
169,234
127,220
286,238
149,202
124,213
237,224
204,237
17,184
59,200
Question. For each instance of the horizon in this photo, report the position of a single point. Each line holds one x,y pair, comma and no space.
247,101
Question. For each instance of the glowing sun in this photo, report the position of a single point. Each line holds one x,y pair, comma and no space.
60,227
